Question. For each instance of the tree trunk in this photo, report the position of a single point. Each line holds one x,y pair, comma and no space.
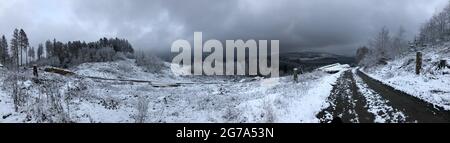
21,50
17,58
26,57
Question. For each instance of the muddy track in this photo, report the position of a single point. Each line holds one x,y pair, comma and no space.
346,103
417,110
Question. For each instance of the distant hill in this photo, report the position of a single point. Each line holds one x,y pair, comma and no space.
308,61
305,61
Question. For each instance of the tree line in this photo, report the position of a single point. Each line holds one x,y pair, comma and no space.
56,53
383,47
18,46
387,46
437,29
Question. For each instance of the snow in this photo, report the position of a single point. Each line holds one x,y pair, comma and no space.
95,113
334,67
208,99
432,85
7,109
125,69
179,70
307,106
27,84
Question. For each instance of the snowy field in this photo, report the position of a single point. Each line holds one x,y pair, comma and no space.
85,100
433,85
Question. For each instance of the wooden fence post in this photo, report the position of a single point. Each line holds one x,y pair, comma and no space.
295,75
418,62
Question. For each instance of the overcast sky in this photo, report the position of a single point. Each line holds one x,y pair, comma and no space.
335,26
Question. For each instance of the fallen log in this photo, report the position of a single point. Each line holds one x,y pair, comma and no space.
164,84
59,71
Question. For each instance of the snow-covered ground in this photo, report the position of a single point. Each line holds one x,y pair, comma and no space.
7,114
80,99
432,85
125,69
333,68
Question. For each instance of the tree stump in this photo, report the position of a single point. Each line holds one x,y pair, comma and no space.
35,71
442,64
418,62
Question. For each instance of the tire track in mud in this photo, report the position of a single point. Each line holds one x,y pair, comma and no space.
378,106
346,103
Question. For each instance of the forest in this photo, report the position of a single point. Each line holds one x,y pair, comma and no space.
56,53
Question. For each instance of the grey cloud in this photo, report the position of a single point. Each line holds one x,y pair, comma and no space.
322,25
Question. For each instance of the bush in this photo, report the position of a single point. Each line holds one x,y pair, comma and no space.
17,93
150,63
142,108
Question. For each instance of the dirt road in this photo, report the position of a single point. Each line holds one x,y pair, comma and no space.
417,110
350,105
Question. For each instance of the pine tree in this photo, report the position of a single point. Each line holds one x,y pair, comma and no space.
4,53
23,42
40,51
31,53
15,48
49,48
1,52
